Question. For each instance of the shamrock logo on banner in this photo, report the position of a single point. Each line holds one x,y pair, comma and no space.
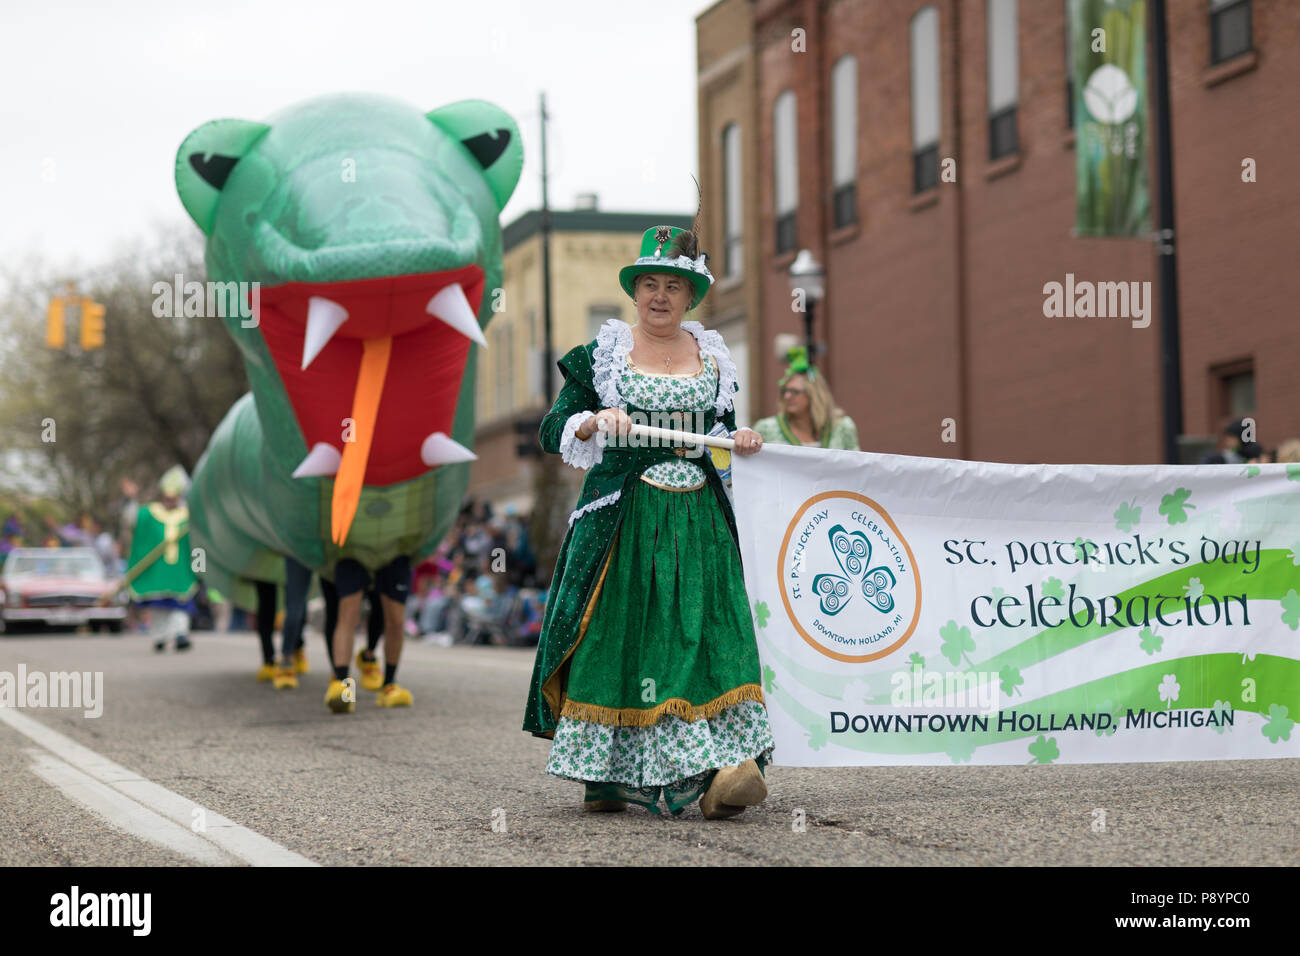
853,552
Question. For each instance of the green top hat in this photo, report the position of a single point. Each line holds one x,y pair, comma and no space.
668,249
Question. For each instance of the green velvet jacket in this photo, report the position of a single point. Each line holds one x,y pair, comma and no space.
589,541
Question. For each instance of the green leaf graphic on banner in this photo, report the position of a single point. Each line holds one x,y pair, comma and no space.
1222,707
917,661
1081,553
769,679
1053,587
761,612
1279,724
997,593
1043,750
1127,517
1293,472
1291,608
1011,679
1250,471
1194,589
1174,505
1169,689
817,736
956,642
961,748
1151,641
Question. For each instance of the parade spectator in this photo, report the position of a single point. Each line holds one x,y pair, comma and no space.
808,414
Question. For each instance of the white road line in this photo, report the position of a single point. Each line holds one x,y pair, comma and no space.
123,812
87,766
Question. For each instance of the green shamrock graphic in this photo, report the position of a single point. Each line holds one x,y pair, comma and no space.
1194,588
1222,707
1127,516
1291,608
1151,641
1279,724
1293,472
956,642
817,737
1044,750
997,594
1169,689
769,679
761,612
917,661
1053,587
1174,505
1250,471
1011,679
1079,551
961,749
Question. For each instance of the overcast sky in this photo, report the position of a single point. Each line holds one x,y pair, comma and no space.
96,97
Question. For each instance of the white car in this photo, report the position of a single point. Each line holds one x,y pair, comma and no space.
59,587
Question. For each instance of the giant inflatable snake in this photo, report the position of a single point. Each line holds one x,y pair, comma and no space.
371,229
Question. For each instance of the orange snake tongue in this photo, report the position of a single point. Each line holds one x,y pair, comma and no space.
365,409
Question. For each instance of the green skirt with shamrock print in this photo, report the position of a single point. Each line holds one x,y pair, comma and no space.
664,688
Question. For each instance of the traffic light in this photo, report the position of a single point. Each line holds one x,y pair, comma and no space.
529,445
92,325
56,333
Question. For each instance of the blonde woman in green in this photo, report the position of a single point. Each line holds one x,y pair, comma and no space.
808,413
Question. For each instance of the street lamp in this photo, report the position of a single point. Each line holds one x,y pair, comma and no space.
808,276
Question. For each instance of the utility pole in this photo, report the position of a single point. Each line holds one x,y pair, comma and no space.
548,356
1170,351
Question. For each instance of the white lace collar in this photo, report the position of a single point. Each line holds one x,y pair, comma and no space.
614,342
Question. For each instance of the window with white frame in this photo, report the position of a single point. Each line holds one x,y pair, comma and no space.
733,246
925,98
785,128
1003,66
844,140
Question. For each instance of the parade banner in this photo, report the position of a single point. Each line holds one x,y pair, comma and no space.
1108,51
929,611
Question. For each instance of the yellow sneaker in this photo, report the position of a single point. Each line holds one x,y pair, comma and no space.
285,678
372,674
393,696
342,696
265,673
300,664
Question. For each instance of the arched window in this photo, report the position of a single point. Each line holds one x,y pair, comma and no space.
925,98
1003,77
786,136
844,139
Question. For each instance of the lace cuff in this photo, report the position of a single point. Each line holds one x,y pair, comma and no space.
573,450
598,503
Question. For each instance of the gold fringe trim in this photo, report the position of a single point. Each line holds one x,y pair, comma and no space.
553,686
677,706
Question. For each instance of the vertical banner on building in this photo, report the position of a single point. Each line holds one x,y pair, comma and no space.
927,611
1108,53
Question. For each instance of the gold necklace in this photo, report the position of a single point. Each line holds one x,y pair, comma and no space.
667,359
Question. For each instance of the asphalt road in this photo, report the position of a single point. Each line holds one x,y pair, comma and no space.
192,761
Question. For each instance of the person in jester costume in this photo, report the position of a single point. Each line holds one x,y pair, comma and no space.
159,573
362,235
647,675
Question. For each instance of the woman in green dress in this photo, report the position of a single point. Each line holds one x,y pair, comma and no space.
808,413
647,674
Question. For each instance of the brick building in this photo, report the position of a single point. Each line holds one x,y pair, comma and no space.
845,113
